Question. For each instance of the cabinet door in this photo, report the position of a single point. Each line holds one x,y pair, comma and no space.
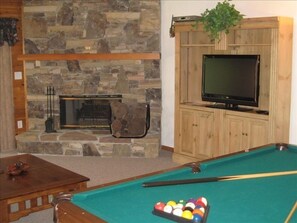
257,132
204,131
233,134
242,133
196,133
187,135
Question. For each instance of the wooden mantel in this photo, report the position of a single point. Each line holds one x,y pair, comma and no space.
86,56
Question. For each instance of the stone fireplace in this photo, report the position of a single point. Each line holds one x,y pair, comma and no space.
57,27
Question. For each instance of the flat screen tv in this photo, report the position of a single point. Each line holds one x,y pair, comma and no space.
231,80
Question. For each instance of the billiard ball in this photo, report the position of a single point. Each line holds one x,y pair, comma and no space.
179,205
199,212
201,201
183,202
187,214
168,209
191,205
177,212
197,218
188,208
171,203
159,206
191,200
200,208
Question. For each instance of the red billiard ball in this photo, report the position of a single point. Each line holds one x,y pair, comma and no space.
201,201
160,206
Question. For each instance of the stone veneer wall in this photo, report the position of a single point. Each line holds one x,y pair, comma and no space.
91,26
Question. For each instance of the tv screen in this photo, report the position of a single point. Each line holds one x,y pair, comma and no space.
231,79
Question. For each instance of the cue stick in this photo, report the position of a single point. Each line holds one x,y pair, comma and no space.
291,213
216,179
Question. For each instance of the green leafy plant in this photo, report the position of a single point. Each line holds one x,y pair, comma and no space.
220,19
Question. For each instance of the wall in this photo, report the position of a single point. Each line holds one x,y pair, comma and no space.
193,7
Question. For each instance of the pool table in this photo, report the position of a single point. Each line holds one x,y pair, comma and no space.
265,199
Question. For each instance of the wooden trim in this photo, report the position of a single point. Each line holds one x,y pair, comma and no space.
67,212
167,148
246,23
98,56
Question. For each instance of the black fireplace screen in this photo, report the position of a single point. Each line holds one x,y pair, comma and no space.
87,111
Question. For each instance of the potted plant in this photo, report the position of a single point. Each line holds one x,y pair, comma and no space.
220,19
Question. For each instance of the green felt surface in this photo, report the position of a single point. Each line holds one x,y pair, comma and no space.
250,200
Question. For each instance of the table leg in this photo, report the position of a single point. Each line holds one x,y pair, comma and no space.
4,218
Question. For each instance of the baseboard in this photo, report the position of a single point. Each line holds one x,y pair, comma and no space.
168,148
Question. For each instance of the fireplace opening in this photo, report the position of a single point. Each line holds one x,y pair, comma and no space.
86,111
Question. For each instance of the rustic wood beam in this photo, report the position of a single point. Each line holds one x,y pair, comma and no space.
98,56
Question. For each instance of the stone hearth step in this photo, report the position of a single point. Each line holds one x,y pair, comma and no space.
87,143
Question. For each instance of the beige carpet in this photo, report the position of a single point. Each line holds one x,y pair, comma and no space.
101,170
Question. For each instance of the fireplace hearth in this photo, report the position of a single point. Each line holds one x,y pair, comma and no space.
86,111
131,131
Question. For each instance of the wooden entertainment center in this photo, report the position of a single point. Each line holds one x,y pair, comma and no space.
202,132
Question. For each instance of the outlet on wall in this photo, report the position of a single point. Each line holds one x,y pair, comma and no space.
18,75
20,124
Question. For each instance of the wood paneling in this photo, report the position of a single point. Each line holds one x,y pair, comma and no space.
13,9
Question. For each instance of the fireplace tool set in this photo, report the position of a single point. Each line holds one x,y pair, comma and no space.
49,123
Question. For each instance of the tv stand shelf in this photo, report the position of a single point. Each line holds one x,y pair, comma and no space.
230,107
203,132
